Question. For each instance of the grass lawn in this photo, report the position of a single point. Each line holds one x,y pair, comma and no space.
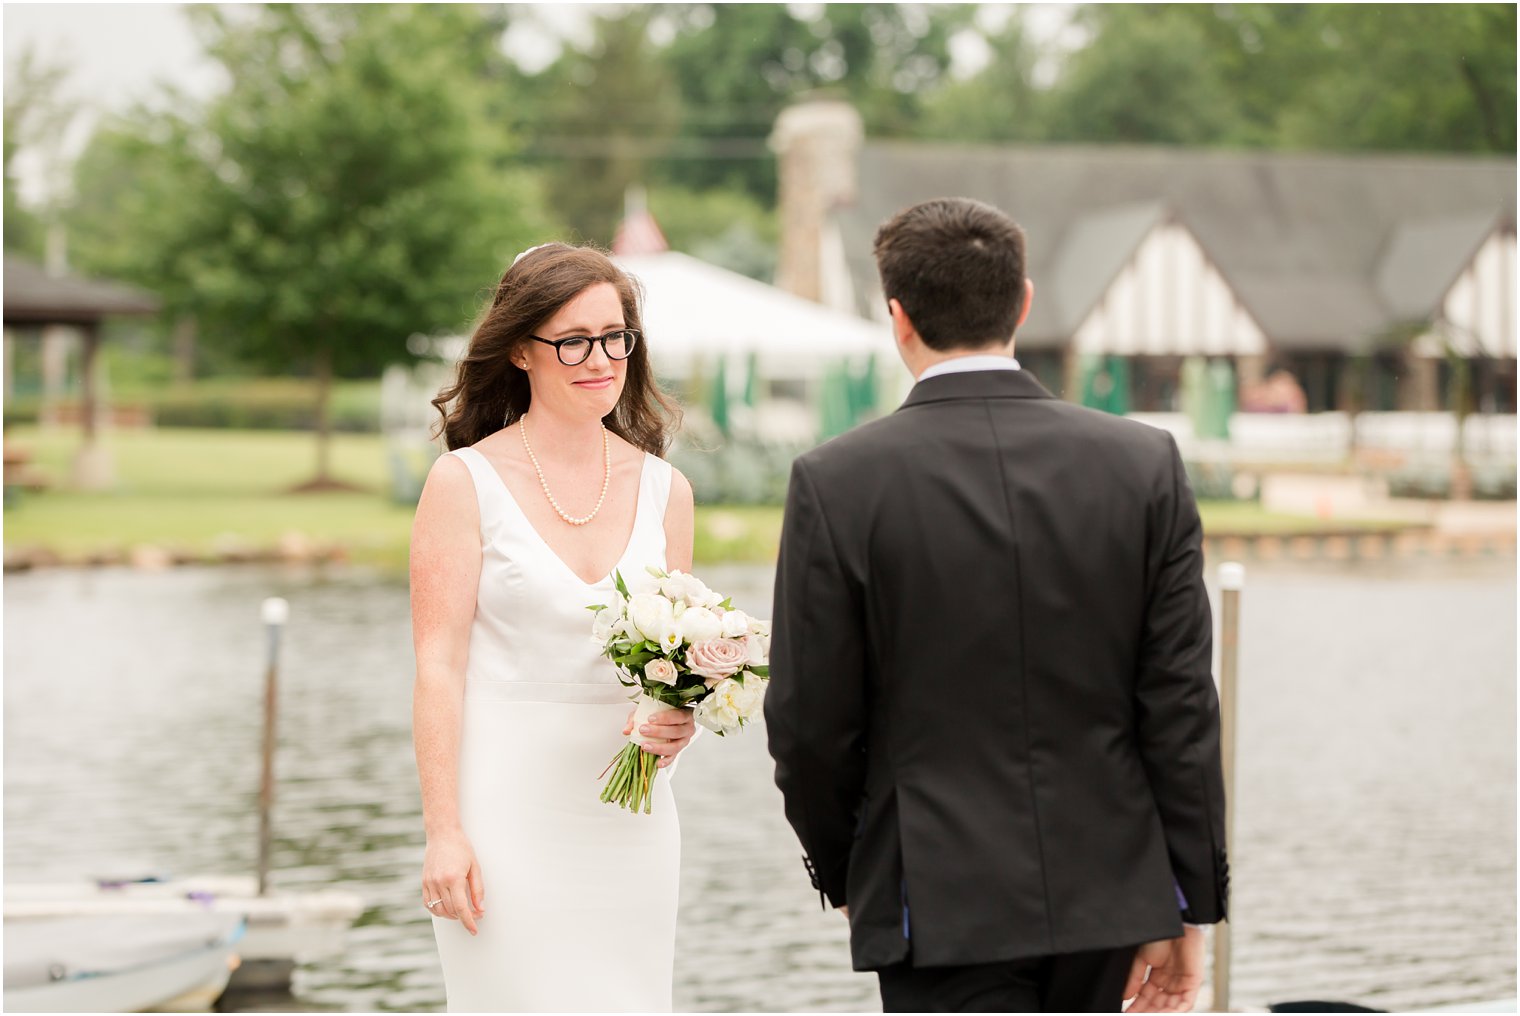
196,489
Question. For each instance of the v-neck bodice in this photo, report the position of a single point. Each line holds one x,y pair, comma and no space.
531,624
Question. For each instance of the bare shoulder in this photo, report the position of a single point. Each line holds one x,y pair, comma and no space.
680,522
447,474
448,493
680,489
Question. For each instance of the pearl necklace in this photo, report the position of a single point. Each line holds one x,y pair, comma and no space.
606,476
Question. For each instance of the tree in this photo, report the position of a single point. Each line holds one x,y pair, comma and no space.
345,192
1418,77
1148,75
999,103
738,65
36,115
598,118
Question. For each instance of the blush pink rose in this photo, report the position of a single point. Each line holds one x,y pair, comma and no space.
715,659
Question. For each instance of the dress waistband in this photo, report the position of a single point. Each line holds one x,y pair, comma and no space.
548,691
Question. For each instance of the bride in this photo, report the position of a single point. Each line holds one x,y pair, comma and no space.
544,898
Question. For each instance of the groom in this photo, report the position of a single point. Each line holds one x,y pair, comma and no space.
991,706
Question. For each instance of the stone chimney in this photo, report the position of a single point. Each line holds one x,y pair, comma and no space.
817,143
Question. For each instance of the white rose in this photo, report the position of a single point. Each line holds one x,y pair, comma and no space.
748,696
759,627
735,624
663,671
759,649
690,589
716,712
602,626
730,705
651,614
698,624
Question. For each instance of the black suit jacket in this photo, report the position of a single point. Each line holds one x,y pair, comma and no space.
991,705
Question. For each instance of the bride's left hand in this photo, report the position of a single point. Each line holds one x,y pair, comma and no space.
669,731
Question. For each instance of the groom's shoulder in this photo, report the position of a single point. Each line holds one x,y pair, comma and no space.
877,447
856,447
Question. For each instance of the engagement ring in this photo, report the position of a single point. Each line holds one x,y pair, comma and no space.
434,903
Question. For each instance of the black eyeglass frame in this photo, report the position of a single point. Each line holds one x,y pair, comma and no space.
591,341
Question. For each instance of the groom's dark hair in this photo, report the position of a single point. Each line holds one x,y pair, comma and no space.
957,268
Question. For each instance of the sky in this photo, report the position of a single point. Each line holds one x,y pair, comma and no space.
119,54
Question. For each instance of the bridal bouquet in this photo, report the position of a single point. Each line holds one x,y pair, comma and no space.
681,645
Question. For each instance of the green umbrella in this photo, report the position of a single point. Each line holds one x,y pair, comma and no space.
834,402
752,380
718,406
863,393
1221,390
1104,383
1118,372
1194,393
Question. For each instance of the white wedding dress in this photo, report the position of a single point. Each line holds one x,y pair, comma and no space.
580,896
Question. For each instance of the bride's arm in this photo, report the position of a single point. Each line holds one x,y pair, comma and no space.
445,576
680,523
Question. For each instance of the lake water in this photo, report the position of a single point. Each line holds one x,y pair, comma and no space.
1375,857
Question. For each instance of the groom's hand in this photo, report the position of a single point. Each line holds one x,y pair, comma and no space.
666,733
1166,975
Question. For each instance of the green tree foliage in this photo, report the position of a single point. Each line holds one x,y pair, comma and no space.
1415,77
347,191
595,120
738,65
36,115
1418,77
685,95
1147,76
1002,103
724,227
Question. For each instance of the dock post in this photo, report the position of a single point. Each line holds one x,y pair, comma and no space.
275,611
1232,577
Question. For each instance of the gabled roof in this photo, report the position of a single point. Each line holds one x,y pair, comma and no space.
1302,238
1408,287
1094,250
32,296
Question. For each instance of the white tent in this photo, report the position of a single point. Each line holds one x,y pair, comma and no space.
697,312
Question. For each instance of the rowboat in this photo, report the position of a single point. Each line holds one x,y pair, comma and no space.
282,928
119,963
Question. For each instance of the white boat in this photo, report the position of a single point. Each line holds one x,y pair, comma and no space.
282,928
120,963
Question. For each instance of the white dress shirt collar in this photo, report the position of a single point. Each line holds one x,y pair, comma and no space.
963,364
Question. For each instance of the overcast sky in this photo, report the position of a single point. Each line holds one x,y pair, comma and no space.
118,54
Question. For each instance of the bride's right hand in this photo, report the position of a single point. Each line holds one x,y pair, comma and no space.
451,875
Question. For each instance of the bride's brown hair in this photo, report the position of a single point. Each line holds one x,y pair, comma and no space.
490,391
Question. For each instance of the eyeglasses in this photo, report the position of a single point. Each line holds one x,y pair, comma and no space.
575,349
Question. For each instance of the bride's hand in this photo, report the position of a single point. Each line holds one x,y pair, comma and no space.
451,880
669,731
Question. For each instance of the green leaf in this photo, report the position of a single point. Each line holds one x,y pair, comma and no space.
764,672
622,587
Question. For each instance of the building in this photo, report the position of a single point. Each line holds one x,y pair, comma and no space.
1372,278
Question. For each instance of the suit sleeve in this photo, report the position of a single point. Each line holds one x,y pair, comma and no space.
1177,704
815,708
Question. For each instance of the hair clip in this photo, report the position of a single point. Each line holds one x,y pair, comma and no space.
530,250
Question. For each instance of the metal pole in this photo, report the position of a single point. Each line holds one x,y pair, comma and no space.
275,612
1232,577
